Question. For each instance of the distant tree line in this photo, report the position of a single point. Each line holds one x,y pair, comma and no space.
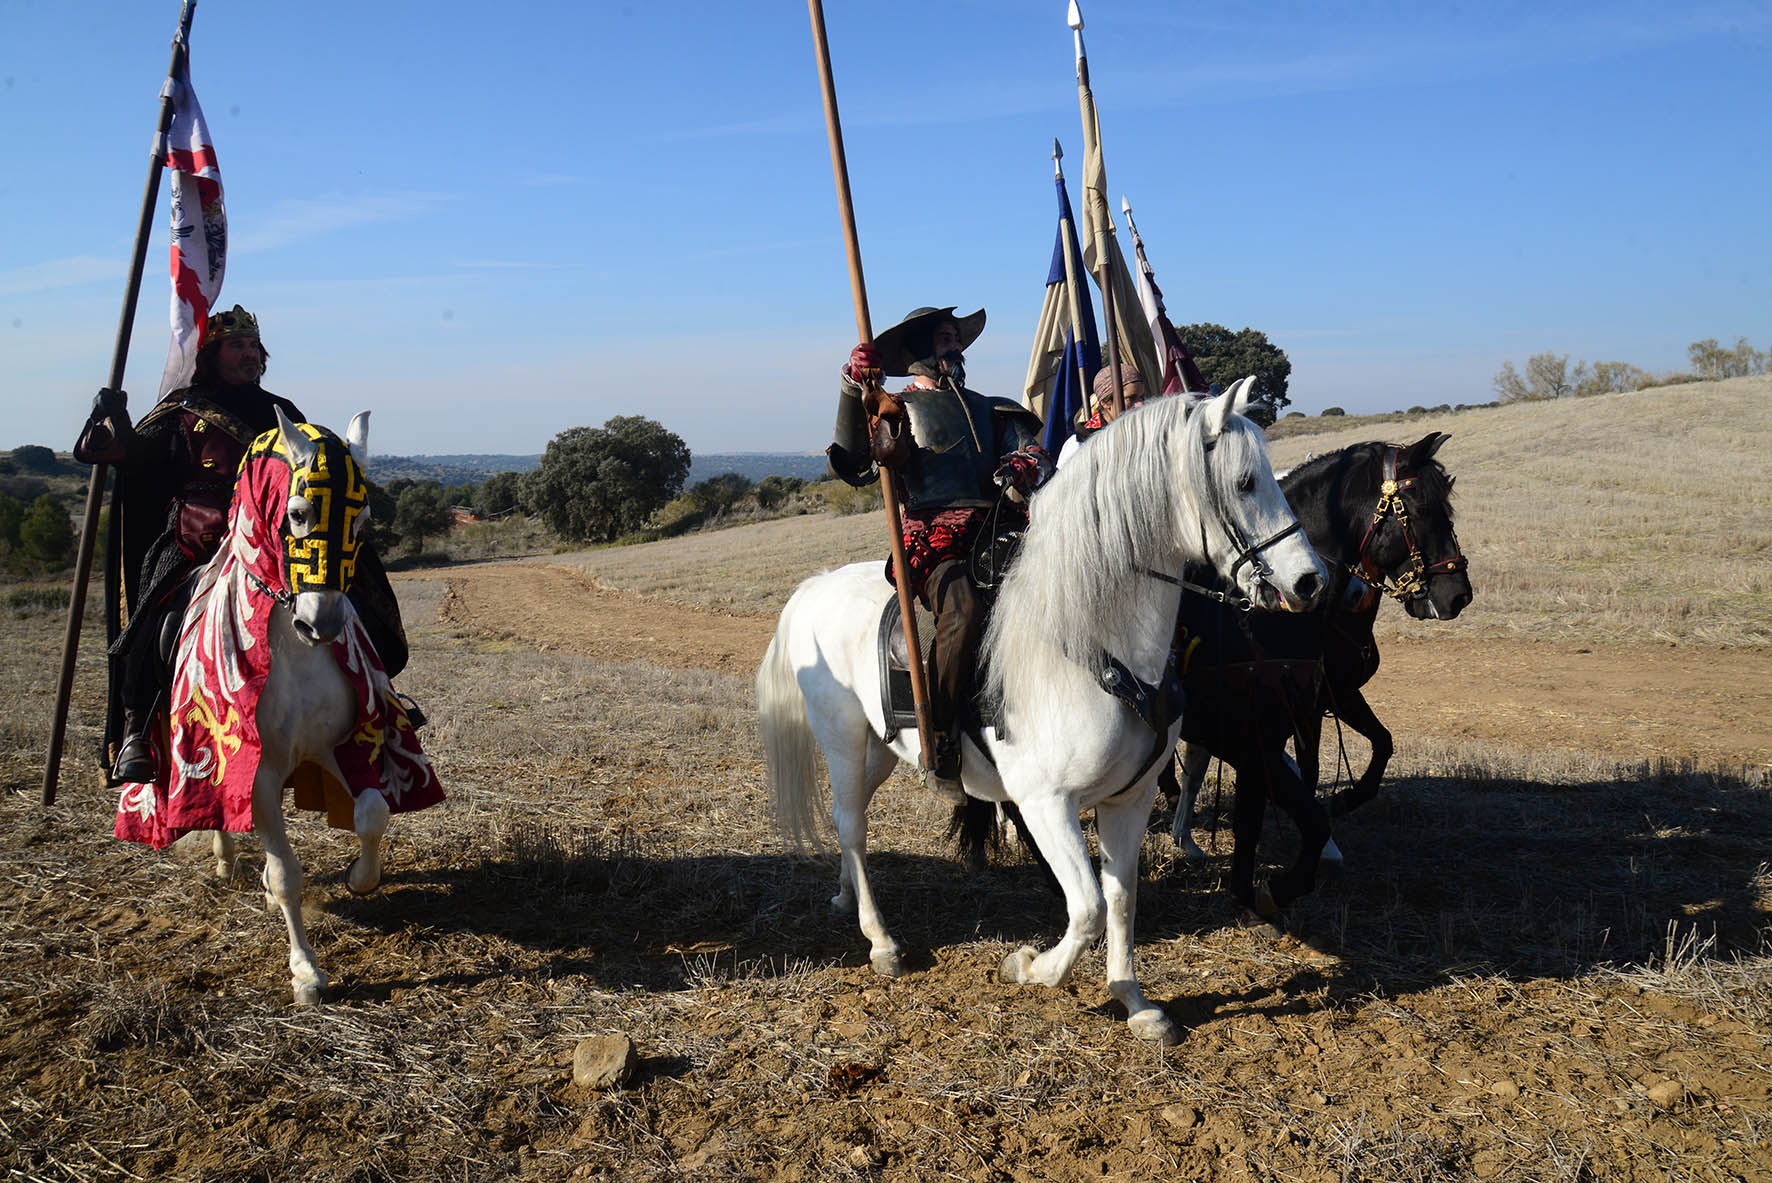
1549,375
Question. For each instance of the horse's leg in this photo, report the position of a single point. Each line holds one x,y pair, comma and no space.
370,820
852,788
222,845
1357,713
1196,758
1119,828
1250,809
1052,819
1312,819
283,880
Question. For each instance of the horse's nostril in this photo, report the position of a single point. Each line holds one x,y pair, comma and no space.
1309,586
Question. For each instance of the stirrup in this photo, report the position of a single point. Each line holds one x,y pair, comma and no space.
414,715
948,789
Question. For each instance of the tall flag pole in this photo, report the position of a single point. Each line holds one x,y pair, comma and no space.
199,225
1180,373
1128,337
1066,353
97,433
864,328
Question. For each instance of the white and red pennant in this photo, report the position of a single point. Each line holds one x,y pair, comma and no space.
199,225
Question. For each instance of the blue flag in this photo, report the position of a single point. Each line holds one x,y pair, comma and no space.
1067,350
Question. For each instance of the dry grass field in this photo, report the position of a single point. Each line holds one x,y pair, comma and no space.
1547,957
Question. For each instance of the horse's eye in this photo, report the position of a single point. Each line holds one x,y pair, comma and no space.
1246,483
301,515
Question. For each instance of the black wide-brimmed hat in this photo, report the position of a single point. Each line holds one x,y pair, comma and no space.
912,339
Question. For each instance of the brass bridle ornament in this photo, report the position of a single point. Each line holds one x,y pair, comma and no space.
1411,584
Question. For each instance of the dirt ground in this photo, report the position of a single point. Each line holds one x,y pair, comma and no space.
1710,706
1521,974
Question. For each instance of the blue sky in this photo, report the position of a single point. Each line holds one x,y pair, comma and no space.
490,224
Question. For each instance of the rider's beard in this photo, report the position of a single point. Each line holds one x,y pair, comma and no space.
953,366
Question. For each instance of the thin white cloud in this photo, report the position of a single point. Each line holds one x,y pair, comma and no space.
294,221
53,274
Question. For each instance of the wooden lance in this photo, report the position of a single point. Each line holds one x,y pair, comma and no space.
95,490
864,330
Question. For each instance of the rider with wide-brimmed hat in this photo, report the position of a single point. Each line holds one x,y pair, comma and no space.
952,450
175,483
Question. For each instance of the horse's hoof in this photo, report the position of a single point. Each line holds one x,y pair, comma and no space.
361,885
310,994
843,904
888,965
1264,904
1190,850
1155,1026
1017,968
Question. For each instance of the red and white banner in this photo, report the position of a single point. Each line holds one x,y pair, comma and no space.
1180,373
199,226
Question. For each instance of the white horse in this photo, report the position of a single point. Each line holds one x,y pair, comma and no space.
270,611
1096,582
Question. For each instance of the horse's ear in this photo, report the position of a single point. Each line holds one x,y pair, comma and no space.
357,436
1423,450
300,448
1240,392
1232,401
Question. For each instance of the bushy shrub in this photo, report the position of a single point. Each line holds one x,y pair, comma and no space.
1328,411
47,533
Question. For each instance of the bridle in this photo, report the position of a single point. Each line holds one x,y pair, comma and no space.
1247,552
1411,584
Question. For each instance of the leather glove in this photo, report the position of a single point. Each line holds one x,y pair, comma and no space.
105,438
1026,470
862,359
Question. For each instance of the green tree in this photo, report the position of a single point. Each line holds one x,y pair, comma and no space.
421,512
47,533
498,494
773,490
384,507
36,458
12,514
718,494
1224,357
597,483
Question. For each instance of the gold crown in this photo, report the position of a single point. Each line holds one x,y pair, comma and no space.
237,322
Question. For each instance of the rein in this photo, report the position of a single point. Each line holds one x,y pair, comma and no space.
1412,583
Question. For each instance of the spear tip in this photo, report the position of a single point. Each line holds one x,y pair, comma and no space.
1125,206
1057,151
1075,17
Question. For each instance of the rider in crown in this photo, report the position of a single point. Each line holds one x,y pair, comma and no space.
175,482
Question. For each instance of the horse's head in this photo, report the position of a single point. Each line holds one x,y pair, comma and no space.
324,521
1409,544
1249,532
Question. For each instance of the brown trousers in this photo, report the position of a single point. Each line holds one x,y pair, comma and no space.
953,651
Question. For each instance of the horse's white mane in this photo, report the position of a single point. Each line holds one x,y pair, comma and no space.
1111,511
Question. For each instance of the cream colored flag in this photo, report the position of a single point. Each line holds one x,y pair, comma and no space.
1131,329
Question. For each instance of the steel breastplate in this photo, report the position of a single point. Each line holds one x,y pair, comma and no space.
949,469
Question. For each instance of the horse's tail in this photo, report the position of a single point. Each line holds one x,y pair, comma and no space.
788,744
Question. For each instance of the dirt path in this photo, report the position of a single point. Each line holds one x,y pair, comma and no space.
1626,701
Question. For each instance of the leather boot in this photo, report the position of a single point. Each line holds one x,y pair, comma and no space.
135,755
